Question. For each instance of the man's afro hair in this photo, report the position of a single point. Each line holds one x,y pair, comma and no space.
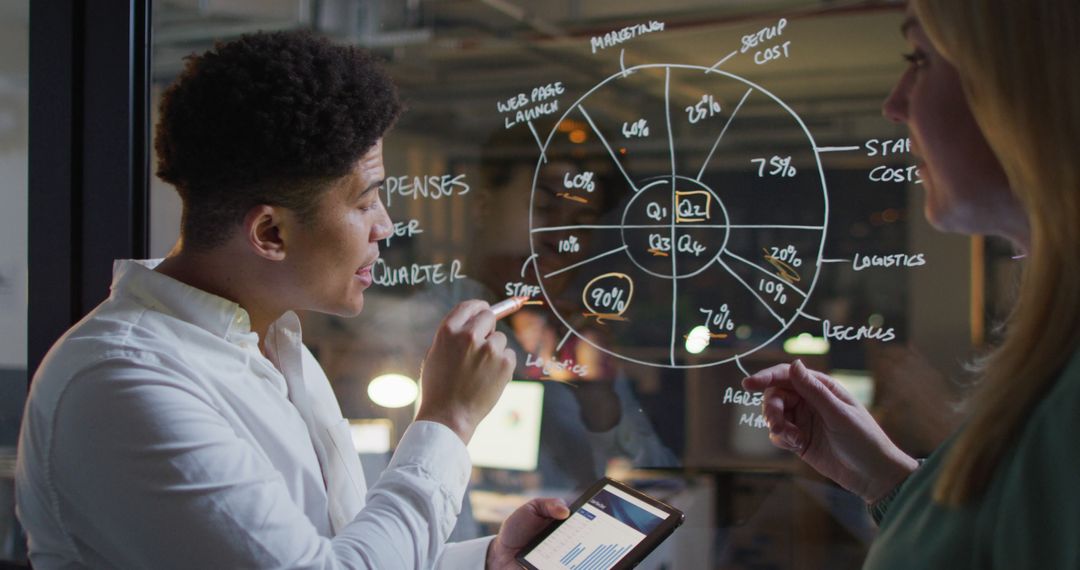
271,107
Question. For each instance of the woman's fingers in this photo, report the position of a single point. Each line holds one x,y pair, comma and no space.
819,394
773,376
789,439
778,407
835,387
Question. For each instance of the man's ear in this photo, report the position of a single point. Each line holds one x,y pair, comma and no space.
262,231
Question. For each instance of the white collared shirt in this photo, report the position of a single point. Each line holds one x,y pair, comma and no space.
157,435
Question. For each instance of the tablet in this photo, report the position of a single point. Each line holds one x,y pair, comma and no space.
611,526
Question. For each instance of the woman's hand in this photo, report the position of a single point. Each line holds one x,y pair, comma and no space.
519,528
811,414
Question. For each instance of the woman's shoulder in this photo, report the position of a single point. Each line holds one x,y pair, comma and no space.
1039,486
1050,441
1059,407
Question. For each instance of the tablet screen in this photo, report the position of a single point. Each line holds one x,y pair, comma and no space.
599,533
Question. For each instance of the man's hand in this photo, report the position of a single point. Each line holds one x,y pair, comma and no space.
519,528
465,370
811,414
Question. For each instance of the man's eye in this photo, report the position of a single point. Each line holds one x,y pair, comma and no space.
370,204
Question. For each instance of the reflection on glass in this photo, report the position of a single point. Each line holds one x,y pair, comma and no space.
532,137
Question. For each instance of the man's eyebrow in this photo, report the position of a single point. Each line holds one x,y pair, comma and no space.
909,22
374,186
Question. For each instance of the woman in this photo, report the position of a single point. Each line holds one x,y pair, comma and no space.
992,101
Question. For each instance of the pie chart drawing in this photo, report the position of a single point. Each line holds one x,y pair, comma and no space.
717,209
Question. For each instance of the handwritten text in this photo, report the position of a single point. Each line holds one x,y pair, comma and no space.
895,260
551,367
415,273
518,289
843,332
407,228
433,186
742,398
617,37
753,420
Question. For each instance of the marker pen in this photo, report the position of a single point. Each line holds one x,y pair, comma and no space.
508,307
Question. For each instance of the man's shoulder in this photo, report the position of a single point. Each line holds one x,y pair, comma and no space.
117,331
114,326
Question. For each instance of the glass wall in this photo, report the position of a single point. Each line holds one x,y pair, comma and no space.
687,191
14,62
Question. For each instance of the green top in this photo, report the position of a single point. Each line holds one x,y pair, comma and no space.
1028,518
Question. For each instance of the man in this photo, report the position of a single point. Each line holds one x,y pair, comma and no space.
183,424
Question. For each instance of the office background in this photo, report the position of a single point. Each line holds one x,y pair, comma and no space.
78,87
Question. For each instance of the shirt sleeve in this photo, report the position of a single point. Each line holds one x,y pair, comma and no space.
148,473
467,555
880,507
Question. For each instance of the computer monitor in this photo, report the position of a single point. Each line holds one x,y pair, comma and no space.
509,437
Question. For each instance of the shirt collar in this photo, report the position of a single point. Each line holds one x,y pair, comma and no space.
137,279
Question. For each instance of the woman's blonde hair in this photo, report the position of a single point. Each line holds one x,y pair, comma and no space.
1014,61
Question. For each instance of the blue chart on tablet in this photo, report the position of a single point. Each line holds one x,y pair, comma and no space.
598,534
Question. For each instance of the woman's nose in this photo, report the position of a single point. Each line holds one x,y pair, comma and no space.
895,107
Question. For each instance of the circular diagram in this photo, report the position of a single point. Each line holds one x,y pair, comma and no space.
681,223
